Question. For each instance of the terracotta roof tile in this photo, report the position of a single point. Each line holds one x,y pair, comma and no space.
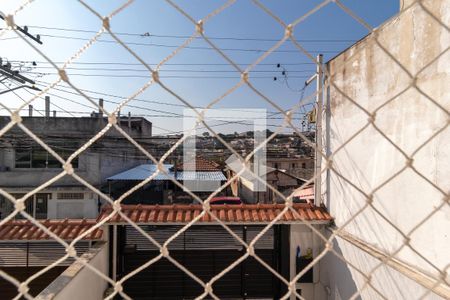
65,229
200,164
242,213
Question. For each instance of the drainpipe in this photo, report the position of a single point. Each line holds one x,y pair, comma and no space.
114,254
319,103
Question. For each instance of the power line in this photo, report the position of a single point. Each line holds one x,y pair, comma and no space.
17,95
173,70
54,105
166,76
168,63
150,35
188,47
69,90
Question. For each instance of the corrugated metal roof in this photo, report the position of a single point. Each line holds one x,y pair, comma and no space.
201,176
142,172
18,230
231,214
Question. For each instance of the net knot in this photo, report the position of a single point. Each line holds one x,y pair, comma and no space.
112,119
23,288
9,19
244,77
63,75
251,250
155,76
19,205
116,206
71,251
118,287
199,27
208,288
289,30
409,162
105,23
371,118
164,251
15,117
68,168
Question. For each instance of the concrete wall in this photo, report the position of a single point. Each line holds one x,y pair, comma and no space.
370,77
302,236
69,126
94,165
346,280
78,281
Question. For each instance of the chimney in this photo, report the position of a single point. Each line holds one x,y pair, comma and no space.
47,106
30,110
54,114
129,120
100,111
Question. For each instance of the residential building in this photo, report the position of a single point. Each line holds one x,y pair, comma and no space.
300,166
251,190
201,177
25,165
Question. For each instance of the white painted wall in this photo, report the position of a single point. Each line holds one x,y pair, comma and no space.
303,236
79,282
370,77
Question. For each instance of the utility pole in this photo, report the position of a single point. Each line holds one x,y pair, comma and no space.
318,77
8,73
24,30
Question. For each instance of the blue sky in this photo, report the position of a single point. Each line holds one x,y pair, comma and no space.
198,74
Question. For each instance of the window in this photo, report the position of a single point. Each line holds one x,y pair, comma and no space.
70,196
275,165
304,165
37,157
6,207
23,158
36,205
294,165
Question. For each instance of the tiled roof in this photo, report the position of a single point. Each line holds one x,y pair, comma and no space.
232,214
200,164
65,229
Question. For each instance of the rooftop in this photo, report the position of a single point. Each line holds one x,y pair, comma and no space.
229,214
144,171
17,230
200,164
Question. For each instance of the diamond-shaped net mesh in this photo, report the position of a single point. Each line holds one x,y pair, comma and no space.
360,202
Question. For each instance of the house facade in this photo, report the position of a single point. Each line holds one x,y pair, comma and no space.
25,165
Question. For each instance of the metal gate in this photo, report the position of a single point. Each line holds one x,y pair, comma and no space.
248,280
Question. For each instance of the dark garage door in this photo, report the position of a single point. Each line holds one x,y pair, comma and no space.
164,280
